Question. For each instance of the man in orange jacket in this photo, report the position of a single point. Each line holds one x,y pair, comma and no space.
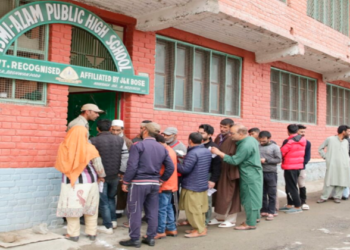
166,218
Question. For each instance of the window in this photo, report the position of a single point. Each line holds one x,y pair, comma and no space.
338,105
88,51
333,13
196,79
32,44
293,97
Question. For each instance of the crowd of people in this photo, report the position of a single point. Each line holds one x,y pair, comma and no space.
155,173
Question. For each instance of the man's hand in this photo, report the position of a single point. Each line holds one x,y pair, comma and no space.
125,188
216,151
211,184
99,179
263,160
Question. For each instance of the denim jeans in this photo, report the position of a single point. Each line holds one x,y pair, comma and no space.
166,219
107,202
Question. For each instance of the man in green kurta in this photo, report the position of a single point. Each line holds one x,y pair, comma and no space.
247,158
337,163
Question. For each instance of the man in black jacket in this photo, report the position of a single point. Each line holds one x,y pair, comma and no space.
207,132
113,151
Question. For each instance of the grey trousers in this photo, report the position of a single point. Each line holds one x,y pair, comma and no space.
327,190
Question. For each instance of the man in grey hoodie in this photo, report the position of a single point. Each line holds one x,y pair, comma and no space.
270,155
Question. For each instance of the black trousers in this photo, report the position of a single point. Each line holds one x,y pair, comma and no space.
291,179
269,193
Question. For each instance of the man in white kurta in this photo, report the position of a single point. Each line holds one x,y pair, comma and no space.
337,163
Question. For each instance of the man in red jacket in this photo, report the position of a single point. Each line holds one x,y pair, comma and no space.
293,151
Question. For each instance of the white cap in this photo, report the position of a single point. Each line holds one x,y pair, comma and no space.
118,123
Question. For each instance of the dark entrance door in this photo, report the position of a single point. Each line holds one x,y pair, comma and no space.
104,100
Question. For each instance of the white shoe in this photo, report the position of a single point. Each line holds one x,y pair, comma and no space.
214,222
115,224
305,207
103,229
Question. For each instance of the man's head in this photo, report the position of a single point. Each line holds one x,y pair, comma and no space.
292,129
264,137
238,132
117,127
104,125
254,132
170,134
142,125
195,139
160,139
344,131
206,131
90,111
151,130
225,125
301,130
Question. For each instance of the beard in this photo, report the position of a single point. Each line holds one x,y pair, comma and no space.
169,141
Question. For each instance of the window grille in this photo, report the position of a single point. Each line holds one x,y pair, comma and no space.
88,51
333,13
196,79
32,44
338,105
293,97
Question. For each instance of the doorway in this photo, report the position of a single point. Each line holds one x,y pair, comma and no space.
107,101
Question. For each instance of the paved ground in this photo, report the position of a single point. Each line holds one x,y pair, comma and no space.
324,226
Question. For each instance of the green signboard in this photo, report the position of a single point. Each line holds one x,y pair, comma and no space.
27,17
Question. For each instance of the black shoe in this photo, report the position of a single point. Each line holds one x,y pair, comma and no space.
67,237
150,242
119,216
91,237
344,198
130,243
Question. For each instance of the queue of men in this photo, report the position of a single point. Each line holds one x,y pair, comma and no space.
157,174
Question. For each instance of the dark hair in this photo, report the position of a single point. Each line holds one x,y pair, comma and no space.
264,134
300,126
207,129
254,130
227,121
292,128
160,138
104,125
146,121
196,138
342,128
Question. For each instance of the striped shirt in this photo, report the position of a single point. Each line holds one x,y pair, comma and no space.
90,174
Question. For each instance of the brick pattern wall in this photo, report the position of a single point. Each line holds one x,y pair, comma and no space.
29,134
255,104
28,197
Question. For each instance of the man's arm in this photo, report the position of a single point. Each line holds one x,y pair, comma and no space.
241,155
169,168
277,157
132,165
285,149
188,164
125,157
307,156
322,147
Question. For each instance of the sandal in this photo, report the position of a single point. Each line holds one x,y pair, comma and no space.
264,214
227,224
183,223
244,226
270,217
126,224
215,222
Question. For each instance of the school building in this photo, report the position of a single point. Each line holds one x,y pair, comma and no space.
263,63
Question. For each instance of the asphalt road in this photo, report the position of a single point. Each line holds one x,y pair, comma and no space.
324,226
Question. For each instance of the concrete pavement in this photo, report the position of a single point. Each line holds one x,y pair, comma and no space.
325,226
